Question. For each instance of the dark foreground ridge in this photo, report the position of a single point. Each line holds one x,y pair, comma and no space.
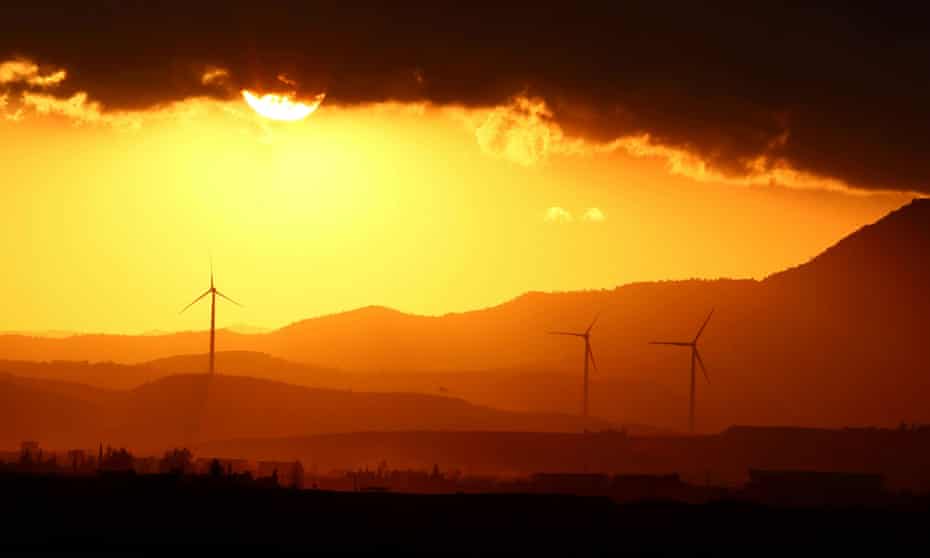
128,511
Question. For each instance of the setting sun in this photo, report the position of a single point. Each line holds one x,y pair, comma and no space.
282,107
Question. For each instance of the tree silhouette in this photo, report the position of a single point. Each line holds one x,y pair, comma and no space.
216,469
120,460
176,461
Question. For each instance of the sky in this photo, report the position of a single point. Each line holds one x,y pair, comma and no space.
451,161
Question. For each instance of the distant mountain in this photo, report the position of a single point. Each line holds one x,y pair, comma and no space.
550,392
247,329
247,363
840,340
190,409
125,376
56,416
46,334
109,375
71,390
126,349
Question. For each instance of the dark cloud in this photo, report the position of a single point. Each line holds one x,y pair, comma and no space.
835,90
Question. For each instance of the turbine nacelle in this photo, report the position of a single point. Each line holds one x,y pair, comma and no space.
588,355
693,344
214,293
586,333
695,358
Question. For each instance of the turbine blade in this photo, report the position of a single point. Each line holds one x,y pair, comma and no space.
196,300
700,331
229,299
211,269
675,343
565,333
594,321
701,362
591,354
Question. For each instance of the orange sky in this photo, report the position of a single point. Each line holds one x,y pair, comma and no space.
106,221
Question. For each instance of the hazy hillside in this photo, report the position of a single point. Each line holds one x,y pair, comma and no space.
117,348
109,375
247,363
113,375
189,409
53,416
838,340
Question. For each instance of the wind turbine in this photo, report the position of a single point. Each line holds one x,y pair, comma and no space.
213,294
695,356
588,353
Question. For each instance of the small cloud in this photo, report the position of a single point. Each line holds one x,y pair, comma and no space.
14,116
11,116
286,80
214,75
25,71
760,171
593,215
558,215
48,80
522,132
76,107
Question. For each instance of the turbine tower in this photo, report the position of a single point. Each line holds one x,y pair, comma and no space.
213,294
695,356
588,354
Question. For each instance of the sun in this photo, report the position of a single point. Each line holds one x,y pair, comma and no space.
282,106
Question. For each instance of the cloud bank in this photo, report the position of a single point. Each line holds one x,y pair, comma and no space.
744,91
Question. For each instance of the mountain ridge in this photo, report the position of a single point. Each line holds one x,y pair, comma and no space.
827,343
188,409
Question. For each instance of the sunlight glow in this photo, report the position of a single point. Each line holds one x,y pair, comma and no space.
282,107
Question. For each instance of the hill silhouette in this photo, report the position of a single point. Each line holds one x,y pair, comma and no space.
57,415
111,375
248,363
189,409
839,340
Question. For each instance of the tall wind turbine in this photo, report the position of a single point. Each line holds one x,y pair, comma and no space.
213,294
588,354
695,356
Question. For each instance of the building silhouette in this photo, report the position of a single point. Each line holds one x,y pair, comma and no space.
814,488
289,474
